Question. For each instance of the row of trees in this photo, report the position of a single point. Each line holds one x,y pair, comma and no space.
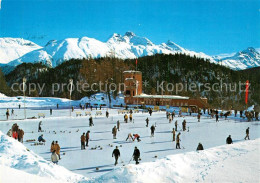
172,69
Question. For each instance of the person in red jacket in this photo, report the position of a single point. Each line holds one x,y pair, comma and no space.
15,135
136,136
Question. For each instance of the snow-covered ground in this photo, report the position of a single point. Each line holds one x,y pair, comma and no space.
51,102
16,156
67,131
238,162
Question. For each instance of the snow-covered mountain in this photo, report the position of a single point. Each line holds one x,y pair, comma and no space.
16,51
14,48
127,46
241,60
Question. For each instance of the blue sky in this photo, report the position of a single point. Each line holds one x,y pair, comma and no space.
209,26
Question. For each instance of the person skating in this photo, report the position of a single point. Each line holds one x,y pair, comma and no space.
136,155
118,125
12,111
7,114
170,119
52,146
217,118
20,135
91,121
147,122
200,147
41,139
57,148
178,141
247,134
87,137
173,135
83,140
57,106
152,130
116,153
107,114
229,140
114,131
198,117
167,115
40,126
150,111
19,106
50,111
184,125
173,114
176,125
136,136
54,157
131,117
129,136
126,118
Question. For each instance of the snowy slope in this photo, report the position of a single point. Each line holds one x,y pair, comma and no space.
14,48
7,176
127,46
245,59
2,95
15,155
228,163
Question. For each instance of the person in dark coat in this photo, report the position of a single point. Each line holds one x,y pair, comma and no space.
136,155
200,147
147,122
178,141
118,125
20,135
87,138
152,130
247,134
116,153
41,139
217,118
229,140
91,121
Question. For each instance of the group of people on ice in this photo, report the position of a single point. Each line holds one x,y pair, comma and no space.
136,155
16,132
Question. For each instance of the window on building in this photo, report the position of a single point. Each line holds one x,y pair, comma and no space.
127,92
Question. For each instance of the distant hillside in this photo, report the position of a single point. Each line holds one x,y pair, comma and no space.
172,69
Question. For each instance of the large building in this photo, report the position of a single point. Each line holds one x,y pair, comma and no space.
135,96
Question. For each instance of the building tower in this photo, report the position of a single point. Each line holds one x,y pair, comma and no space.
133,85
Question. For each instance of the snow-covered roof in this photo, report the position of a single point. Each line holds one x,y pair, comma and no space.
129,78
162,96
132,71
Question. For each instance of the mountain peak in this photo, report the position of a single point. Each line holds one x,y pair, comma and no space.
130,34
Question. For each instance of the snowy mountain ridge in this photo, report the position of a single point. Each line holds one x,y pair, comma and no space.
129,46
13,48
241,60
